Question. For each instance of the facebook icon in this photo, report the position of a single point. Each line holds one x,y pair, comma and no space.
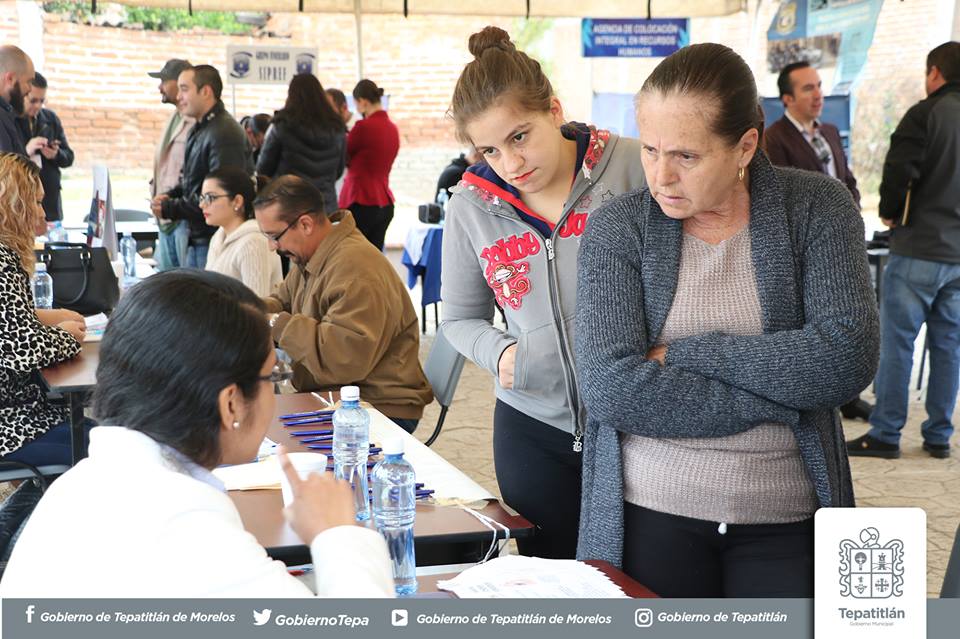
30,613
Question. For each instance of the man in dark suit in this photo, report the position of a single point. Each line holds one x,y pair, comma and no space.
56,154
799,139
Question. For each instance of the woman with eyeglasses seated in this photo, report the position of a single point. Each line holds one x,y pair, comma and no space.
146,497
237,249
32,430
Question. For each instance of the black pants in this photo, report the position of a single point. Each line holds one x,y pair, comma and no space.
539,477
372,221
683,557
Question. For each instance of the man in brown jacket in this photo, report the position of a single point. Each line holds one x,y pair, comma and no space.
342,314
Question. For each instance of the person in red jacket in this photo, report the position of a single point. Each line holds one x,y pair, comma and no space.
372,146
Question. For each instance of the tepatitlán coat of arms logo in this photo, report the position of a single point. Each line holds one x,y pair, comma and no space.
869,570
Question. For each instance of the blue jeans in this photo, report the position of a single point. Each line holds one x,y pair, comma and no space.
51,448
172,247
197,256
917,291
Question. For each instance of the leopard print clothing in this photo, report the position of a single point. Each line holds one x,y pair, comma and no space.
26,346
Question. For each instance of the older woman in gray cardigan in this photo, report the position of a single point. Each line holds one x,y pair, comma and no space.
723,313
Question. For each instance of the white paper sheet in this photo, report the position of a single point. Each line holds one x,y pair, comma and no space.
520,577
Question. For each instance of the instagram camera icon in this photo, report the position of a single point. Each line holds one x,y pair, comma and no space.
643,617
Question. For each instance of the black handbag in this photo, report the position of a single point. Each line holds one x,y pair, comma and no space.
83,278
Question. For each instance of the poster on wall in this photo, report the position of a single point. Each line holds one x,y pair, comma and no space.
634,38
829,34
268,65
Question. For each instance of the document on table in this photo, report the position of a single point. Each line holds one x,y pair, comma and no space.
96,325
519,577
258,475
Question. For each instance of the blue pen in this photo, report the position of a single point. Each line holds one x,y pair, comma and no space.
303,422
314,440
305,433
307,414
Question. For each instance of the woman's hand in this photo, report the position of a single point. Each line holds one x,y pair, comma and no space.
658,354
77,329
55,316
320,502
508,360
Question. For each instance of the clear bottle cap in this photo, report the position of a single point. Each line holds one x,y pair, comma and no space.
350,393
393,446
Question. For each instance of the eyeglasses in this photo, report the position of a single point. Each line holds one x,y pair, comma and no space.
281,372
208,198
275,238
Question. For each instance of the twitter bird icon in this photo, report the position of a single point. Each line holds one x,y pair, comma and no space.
262,617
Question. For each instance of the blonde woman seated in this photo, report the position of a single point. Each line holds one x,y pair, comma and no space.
146,497
237,249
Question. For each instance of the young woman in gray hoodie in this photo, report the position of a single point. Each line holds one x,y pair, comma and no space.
513,229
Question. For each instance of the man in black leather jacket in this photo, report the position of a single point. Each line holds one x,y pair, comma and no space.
920,201
56,154
215,141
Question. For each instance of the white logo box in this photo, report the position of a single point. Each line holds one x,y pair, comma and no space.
870,573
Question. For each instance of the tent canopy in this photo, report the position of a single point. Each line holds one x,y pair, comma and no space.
535,8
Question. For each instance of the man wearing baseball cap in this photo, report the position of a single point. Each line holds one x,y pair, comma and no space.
168,161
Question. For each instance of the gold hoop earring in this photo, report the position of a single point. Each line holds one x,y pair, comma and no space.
740,173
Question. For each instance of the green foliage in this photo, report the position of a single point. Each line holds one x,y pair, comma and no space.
178,20
154,19
527,35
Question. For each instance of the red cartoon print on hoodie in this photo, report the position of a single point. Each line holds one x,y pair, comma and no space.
506,274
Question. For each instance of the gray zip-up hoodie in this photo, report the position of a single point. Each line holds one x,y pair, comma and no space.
490,254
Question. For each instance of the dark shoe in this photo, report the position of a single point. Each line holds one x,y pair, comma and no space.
857,408
940,451
868,446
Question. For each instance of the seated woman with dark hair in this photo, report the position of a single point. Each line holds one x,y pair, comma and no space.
146,496
238,248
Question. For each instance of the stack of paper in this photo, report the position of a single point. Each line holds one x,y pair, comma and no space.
519,577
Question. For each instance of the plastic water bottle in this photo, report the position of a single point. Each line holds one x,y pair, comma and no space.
42,286
394,510
351,447
57,233
128,250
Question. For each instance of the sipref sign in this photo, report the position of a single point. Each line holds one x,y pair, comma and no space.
268,65
634,38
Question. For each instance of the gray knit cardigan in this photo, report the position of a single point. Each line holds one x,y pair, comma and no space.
819,346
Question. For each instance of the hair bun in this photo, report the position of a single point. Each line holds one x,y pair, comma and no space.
380,92
489,38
